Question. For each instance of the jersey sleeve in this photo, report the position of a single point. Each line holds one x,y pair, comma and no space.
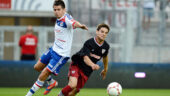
107,51
70,21
21,41
36,41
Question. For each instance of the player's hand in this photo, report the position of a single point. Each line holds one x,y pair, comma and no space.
84,27
103,74
95,67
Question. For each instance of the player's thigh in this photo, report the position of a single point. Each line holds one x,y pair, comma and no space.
73,82
39,66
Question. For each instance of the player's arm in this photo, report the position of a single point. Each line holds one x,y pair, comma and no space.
79,25
90,63
20,41
105,63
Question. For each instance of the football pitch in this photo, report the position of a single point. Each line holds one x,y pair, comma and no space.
87,92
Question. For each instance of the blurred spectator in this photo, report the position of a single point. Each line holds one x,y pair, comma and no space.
163,5
148,7
28,44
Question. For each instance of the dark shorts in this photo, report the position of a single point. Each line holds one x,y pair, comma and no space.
27,57
75,71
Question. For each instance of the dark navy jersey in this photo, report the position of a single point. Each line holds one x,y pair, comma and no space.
94,51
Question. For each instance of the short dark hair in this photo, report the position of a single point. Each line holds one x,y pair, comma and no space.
103,25
59,2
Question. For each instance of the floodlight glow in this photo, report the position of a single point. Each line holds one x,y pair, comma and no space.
140,74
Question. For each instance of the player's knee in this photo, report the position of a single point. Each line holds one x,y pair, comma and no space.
37,68
73,85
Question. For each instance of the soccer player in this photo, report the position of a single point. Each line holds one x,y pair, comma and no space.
52,60
84,61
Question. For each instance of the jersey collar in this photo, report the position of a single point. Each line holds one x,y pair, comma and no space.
61,18
98,42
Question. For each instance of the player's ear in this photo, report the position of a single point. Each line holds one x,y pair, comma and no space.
64,9
97,31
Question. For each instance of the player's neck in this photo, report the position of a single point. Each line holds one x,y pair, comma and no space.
61,16
28,33
99,41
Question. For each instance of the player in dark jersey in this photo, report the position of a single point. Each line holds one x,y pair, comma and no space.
84,61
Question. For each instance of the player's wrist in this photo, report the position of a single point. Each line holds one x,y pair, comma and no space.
105,70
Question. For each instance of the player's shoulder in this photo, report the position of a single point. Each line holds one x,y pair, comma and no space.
106,44
90,40
68,16
24,36
34,36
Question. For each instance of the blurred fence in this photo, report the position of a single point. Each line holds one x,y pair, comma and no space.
129,41
9,49
151,45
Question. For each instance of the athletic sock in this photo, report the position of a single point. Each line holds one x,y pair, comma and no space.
65,91
37,85
50,80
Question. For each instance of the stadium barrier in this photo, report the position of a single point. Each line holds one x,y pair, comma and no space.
22,74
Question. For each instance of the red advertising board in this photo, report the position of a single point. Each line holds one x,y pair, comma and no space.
5,4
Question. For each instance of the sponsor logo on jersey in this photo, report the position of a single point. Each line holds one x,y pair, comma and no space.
103,50
30,41
95,56
61,24
73,71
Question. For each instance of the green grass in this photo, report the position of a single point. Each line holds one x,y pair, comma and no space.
87,92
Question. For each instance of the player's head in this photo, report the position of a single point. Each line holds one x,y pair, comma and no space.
102,31
29,29
59,8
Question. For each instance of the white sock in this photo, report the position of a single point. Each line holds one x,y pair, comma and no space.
37,85
50,80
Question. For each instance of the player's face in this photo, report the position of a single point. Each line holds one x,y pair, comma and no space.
59,11
102,33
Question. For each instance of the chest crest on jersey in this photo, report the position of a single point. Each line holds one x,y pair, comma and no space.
103,51
61,24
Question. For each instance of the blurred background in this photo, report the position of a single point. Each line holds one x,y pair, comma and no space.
139,39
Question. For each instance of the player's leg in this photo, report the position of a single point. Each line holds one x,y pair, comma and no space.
73,75
39,83
82,79
42,63
39,66
54,67
70,87
73,92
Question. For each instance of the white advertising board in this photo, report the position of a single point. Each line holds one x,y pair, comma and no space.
33,5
